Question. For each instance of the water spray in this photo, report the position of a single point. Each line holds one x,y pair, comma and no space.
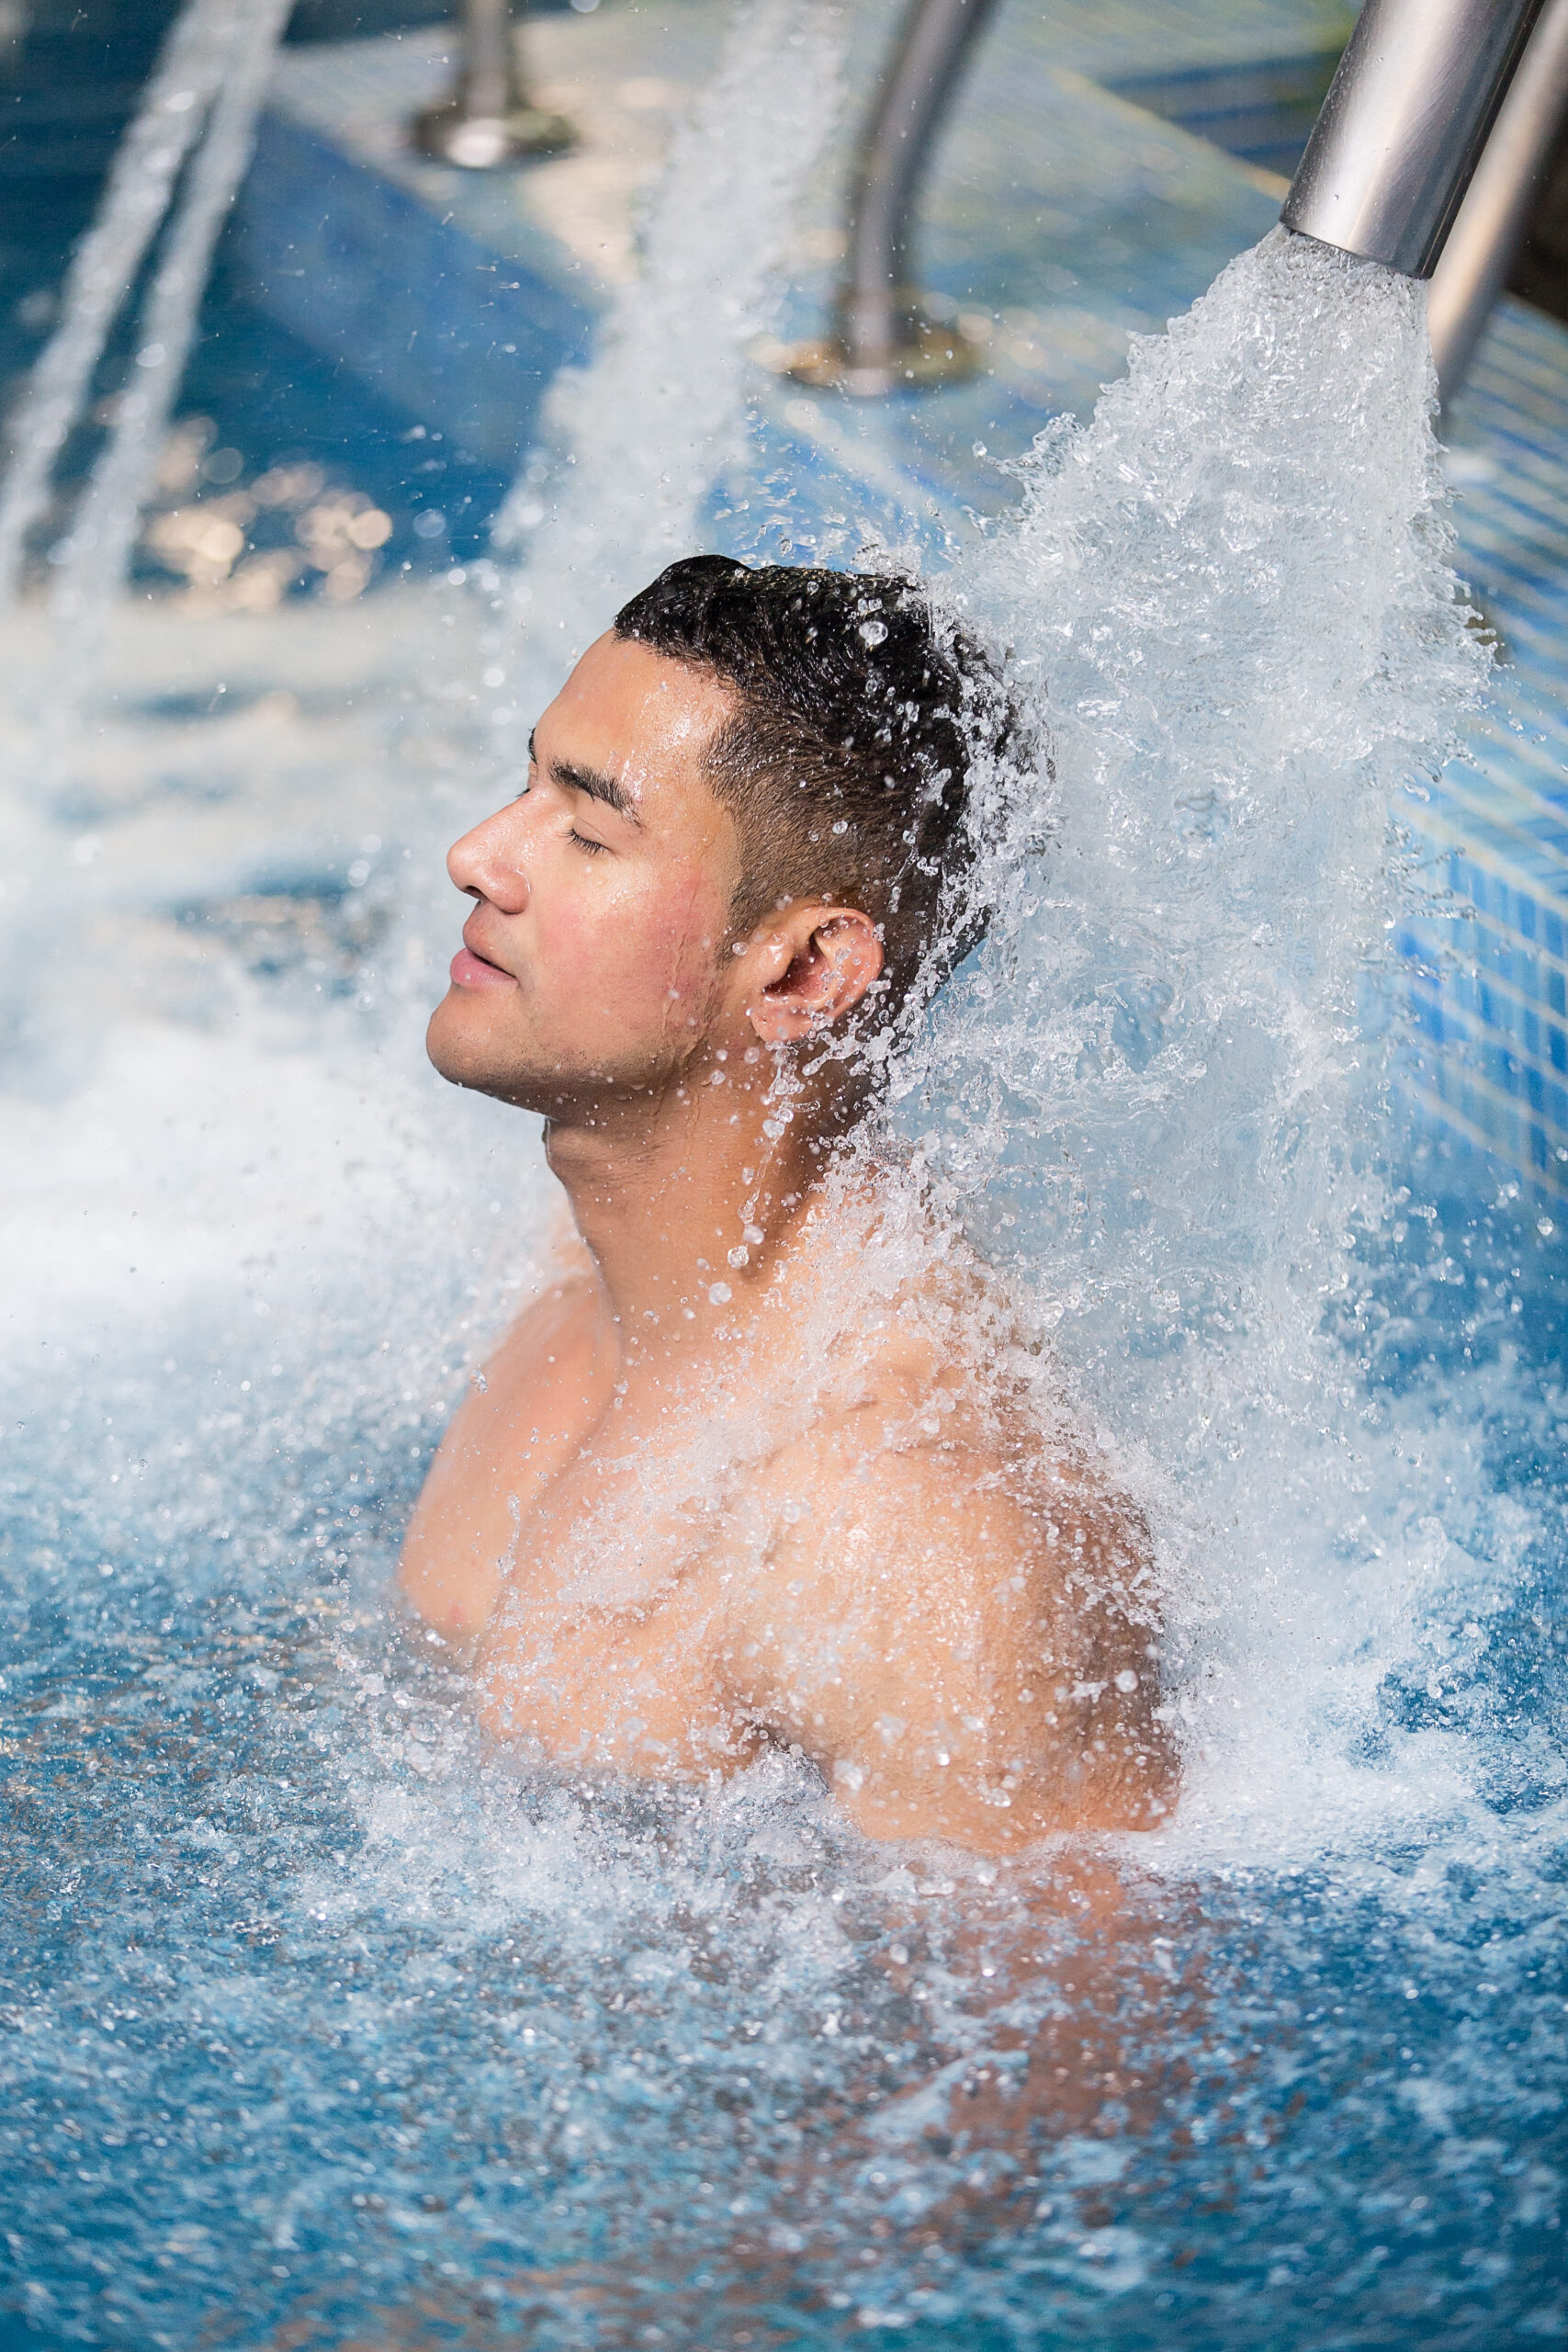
205,94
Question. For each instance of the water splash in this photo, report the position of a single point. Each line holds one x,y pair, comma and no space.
634,442
1234,590
104,267
93,558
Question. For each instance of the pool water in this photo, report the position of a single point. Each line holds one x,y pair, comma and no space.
327,2025
255,399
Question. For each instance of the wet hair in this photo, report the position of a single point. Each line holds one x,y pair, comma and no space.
846,763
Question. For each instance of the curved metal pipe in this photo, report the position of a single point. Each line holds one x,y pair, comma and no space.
490,117
1404,124
1492,221
917,88
883,338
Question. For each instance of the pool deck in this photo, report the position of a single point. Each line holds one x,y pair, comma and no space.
1078,198
1061,216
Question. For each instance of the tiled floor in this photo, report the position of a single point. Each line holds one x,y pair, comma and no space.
1058,212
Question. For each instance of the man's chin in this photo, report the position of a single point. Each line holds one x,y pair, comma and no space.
465,1048
462,1046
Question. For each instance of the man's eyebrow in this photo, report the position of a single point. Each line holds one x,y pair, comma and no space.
594,786
591,785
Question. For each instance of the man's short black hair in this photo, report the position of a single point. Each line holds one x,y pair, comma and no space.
846,765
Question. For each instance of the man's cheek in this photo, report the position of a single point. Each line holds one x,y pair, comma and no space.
608,958
690,927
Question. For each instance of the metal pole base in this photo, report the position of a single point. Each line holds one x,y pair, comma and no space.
925,354
482,143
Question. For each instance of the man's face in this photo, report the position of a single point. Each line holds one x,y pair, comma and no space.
595,956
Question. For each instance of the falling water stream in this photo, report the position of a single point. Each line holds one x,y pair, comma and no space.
188,148
329,2023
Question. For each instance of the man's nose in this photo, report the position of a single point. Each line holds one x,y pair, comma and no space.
488,863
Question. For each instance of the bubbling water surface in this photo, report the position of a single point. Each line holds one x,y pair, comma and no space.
327,2023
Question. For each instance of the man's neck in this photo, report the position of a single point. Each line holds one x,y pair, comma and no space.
688,1204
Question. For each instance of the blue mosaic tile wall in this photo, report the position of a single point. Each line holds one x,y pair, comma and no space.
1489,990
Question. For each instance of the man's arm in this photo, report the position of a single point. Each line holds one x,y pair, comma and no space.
959,1664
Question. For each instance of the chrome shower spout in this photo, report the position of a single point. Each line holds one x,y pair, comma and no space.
490,118
1402,128
1493,221
884,339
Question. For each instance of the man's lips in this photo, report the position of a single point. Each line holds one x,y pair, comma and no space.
471,971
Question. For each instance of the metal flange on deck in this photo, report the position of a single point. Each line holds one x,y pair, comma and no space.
883,340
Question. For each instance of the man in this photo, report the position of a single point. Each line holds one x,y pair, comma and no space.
769,1465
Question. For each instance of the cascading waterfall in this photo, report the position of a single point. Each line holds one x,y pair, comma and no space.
104,267
1234,593
93,563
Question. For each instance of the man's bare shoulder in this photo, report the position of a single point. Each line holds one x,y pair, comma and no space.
960,1626
988,1514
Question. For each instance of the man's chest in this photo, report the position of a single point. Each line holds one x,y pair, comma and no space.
608,1629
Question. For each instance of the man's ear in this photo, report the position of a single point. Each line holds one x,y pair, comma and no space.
824,966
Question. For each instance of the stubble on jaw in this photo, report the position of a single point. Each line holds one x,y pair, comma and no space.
489,1044
573,1089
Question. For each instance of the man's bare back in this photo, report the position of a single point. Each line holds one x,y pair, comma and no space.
767,1467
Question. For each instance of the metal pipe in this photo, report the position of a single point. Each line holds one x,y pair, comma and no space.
488,73
1404,124
883,338
917,89
1493,220
490,118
